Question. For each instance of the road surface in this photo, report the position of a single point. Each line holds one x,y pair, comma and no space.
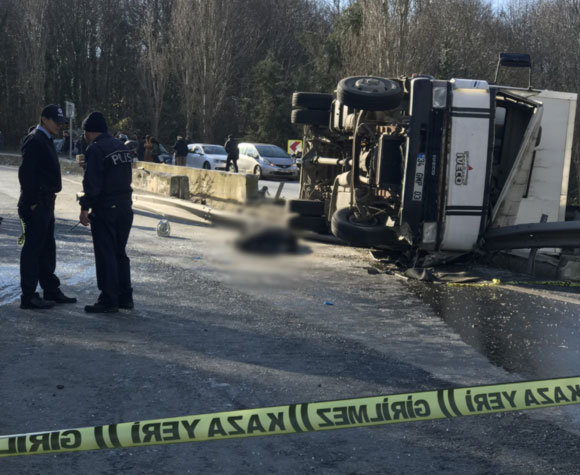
290,189
216,330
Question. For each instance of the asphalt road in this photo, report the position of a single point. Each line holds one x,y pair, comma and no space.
290,189
216,330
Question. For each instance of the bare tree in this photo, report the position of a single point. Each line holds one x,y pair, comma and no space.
397,37
155,62
94,52
31,29
204,51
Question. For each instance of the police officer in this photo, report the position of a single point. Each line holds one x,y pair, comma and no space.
40,180
107,194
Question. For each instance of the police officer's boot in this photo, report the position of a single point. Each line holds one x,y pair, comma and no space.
58,297
126,304
126,301
103,305
35,302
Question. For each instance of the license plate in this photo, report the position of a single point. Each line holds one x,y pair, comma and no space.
419,178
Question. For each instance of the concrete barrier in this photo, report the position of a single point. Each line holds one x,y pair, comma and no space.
161,183
210,185
67,167
11,160
216,188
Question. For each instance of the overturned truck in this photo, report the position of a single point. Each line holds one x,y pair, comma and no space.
435,165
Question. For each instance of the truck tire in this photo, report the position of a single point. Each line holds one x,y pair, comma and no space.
312,100
306,207
369,93
318,224
310,117
359,234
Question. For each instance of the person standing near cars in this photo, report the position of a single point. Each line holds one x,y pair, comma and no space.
231,147
155,150
140,149
40,181
107,194
147,149
180,148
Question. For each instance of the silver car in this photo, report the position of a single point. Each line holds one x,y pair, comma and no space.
266,161
207,156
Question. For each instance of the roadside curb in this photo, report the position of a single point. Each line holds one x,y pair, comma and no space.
155,204
225,218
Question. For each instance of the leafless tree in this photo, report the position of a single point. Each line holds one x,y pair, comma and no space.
204,53
31,30
94,52
155,61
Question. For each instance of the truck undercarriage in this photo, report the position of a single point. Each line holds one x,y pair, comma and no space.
429,164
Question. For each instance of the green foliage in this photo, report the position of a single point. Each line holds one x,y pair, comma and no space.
321,72
351,20
270,103
124,125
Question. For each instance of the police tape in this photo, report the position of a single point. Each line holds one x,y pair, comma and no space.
492,283
496,282
304,417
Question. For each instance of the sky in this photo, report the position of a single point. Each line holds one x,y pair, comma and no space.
496,4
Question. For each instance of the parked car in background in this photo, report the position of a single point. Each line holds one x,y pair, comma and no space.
164,156
266,161
207,156
59,143
297,157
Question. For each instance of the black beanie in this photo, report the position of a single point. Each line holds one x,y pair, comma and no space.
95,122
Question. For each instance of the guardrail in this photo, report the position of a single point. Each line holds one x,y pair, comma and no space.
533,236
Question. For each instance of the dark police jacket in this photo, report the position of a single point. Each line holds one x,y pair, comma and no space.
39,173
108,174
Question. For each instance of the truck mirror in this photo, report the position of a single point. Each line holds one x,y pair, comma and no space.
515,60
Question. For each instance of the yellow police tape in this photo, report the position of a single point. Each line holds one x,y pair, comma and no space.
305,417
495,282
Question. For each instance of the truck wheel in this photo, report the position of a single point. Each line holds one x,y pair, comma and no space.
318,224
369,93
361,234
310,117
306,207
312,100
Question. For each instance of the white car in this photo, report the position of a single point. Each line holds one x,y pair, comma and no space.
266,161
207,156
